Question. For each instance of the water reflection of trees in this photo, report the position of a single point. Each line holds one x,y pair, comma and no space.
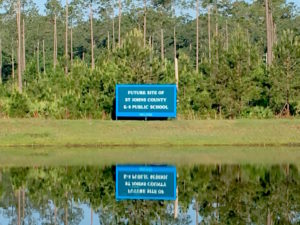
220,194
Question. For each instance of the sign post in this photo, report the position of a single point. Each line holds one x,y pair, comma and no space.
146,101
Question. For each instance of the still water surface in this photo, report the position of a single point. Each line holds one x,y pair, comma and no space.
208,194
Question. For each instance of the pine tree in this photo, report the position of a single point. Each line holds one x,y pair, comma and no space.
38,58
285,73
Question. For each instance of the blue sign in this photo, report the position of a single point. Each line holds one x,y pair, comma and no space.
146,182
146,100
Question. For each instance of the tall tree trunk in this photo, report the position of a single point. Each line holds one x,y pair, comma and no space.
92,37
71,43
24,48
150,42
269,218
162,45
274,33
55,44
175,50
44,57
38,57
108,41
12,62
197,36
287,101
217,21
19,47
269,22
66,41
120,17
0,61
145,22
249,49
151,58
217,34
227,38
209,37
113,31
176,73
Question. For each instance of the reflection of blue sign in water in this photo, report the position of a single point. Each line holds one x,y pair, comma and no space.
146,100
146,182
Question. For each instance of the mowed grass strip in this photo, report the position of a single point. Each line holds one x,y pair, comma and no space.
94,133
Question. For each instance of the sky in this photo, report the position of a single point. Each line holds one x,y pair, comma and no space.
41,3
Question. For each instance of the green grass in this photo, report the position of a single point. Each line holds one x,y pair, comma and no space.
93,133
90,142
23,157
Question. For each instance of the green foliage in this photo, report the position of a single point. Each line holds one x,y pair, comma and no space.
3,101
84,93
234,75
193,94
258,112
233,83
4,107
298,108
18,105
285,71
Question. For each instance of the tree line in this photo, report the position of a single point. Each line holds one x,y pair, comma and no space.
230,58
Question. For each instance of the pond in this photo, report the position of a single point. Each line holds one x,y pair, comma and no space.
207,194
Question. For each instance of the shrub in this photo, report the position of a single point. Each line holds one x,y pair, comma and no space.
18,105
258,112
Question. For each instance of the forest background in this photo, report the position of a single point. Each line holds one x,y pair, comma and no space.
235,59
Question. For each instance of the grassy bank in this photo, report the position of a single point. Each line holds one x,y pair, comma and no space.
36,132
181,156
